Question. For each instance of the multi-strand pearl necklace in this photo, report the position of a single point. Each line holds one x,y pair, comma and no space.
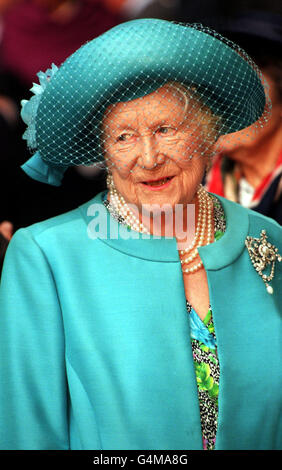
120,206
204,229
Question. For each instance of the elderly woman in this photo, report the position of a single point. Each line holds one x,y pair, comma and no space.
150,317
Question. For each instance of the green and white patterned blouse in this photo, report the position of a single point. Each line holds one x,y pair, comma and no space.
204,348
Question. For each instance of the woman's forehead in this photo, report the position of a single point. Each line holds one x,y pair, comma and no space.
165,103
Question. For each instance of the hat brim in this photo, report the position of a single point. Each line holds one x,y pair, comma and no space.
134,59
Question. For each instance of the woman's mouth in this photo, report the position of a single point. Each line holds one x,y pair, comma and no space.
155,185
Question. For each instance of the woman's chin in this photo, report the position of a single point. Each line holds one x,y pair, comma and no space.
147,194
158,201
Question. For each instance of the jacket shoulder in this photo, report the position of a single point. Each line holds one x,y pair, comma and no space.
76,217
54,223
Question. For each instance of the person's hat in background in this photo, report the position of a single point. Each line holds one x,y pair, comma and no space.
258,32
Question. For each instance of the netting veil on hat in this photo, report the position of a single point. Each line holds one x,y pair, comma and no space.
217,85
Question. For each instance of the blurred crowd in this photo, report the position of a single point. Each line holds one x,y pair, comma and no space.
36,33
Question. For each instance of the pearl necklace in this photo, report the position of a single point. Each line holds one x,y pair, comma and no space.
122,209
205,214
203,228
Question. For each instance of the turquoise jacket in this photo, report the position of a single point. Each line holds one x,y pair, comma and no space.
95,348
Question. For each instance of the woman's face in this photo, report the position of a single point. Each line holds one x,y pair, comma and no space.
154,147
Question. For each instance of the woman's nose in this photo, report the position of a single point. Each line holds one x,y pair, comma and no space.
149,154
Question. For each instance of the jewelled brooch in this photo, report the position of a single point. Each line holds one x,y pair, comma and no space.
263,254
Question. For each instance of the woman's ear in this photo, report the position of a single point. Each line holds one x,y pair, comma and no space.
209,159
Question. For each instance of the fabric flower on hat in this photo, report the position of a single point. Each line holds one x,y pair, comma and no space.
30,107
35,166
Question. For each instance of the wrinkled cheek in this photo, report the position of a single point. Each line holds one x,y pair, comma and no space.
124,163
129,191
181,152
121,178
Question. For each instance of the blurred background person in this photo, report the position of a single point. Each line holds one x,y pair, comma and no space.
35,34
250,171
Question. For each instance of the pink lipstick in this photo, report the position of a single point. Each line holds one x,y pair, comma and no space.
156,185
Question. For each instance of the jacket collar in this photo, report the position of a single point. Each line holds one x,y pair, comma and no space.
214,256
228,248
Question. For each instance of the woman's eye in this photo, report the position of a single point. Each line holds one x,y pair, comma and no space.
166,130
126,137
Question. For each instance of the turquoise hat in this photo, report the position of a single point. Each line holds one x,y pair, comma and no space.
127,62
